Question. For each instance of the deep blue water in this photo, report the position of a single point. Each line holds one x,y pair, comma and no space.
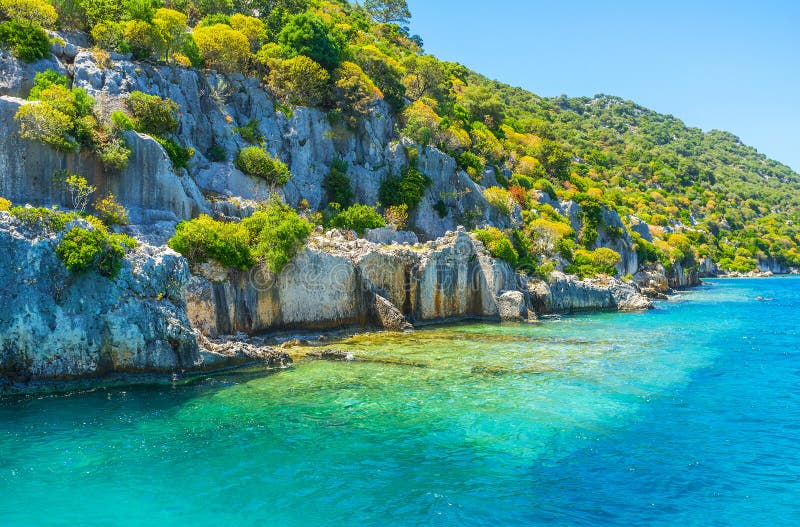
685,415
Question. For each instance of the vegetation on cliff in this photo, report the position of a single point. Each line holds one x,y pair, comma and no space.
703,194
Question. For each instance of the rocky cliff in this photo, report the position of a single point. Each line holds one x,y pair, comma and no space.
212,107
158,316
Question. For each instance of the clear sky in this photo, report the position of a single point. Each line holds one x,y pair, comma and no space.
731,65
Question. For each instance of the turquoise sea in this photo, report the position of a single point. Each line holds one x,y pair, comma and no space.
685,415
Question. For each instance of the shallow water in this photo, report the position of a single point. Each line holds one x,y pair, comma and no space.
686,415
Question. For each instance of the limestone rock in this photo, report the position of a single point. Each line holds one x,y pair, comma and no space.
388,236
511,306
57,324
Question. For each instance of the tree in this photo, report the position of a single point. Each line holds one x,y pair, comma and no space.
308,35
80,191
389,11
483,105
250,27
299,81
385,72
172,26
37,12
144,39
355,91
222,47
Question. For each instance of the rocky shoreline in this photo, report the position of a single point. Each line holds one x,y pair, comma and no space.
159,319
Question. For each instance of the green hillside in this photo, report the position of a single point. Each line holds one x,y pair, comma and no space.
703,194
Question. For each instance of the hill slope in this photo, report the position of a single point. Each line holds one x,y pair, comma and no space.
702,194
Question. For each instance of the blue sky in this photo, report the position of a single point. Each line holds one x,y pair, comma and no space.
731,65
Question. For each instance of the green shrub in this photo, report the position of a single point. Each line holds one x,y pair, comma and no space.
204,238
408,189
144,39
358,218
191,51
94,249
337,184
500,199
520,180
38,12
110,36
179,155
153,115
110,212
114,153
41,122
121,121
26,41
257,162
222,47
441,208
250,132
277,233
545,186
587,264
647,252
739,264
307,35
299,81
41,218
498,244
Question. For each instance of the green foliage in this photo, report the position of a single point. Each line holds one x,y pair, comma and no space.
306,34
337,184
144,39
587,264
93,249
217,154
41,218
739,264
111,36
250,132
179,155
441,208
299,81
388,11
204,238
257,162
358,218
26,41
172,27
42,122
500,199
408,189
647,252
62,117
110,211
114,153
121,121
277,233
355,92
36,12
546,187
498,244
343,57
151,114
222,47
